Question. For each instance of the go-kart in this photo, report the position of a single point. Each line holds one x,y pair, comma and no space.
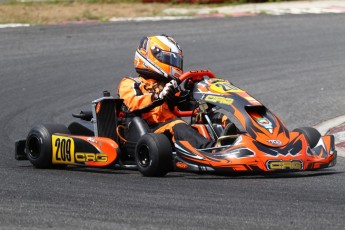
250,138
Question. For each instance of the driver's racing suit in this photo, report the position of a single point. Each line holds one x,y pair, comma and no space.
139,97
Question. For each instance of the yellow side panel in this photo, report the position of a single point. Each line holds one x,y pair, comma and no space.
63,150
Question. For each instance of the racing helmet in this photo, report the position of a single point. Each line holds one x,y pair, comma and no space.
159,57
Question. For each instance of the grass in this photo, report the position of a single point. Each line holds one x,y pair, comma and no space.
51,13
60,11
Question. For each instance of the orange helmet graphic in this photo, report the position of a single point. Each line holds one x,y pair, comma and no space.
159,57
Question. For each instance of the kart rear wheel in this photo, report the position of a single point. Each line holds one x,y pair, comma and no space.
311,134
153,155
39,145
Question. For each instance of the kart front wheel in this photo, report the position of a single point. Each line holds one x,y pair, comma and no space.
39,144
153,155
311,134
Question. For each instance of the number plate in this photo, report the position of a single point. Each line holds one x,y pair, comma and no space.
63,150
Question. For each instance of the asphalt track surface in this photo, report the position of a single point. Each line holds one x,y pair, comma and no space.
295,65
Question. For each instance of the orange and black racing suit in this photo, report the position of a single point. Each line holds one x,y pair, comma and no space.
138,94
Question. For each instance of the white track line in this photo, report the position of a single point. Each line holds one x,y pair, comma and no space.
13,25
325,126
143,19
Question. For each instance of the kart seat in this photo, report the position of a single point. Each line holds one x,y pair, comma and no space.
218,128
136,129
228,135
229,129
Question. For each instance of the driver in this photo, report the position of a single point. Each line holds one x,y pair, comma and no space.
158,61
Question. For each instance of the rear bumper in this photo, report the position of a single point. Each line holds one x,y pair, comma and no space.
20,153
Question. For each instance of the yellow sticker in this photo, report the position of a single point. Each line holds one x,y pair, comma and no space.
63,150
224,87
217,99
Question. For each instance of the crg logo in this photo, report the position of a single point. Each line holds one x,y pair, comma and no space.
95,157
284,165
275,142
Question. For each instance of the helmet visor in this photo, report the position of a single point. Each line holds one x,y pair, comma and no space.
170,58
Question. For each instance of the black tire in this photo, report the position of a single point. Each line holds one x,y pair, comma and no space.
39,145
153,155
311,134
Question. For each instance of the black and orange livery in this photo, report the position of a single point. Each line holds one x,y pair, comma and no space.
250,138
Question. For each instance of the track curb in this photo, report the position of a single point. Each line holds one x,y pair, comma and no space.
336,127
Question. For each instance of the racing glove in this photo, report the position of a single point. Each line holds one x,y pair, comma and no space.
169,91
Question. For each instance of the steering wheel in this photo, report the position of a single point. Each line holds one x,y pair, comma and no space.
187,81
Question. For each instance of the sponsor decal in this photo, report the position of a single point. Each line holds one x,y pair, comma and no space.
284,165
181,165
63,150
95,157
217,99
275,142
264,122
252,101
90,139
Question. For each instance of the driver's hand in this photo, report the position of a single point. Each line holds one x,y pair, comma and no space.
169,90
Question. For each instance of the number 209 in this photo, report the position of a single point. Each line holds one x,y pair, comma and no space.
63,149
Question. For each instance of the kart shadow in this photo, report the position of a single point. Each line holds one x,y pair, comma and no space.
203,176
248,176
110,171
98,170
